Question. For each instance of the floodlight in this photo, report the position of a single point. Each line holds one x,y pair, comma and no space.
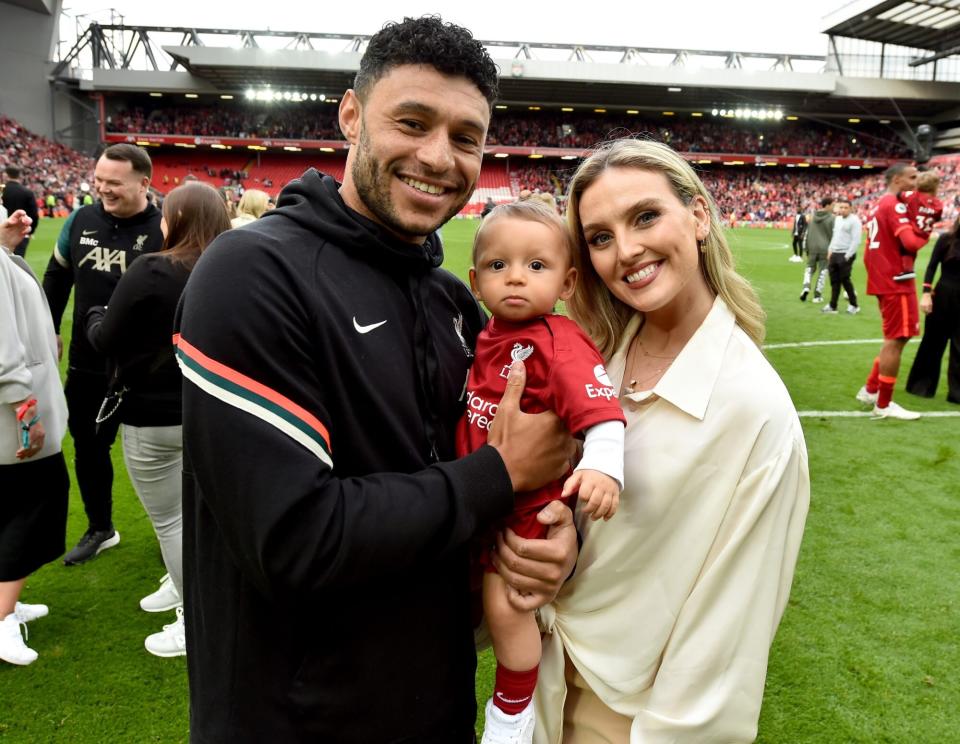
714,112
313,96
251,94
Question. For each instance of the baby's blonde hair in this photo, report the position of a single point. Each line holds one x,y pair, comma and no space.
928,182
530,210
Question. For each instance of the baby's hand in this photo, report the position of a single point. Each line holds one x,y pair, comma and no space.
599,494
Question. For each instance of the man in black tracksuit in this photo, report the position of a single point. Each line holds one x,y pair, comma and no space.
325,353
96,245
17,196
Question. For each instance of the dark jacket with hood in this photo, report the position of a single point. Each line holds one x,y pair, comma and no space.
325,521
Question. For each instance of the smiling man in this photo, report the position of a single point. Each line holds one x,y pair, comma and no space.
326,521
96,246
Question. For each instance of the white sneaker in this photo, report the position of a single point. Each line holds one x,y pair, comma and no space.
795,259
895,411
12,647
853,309
817,299
869,398
165,598
171,641
28,612
501,728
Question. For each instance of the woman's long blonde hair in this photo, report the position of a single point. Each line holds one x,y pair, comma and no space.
592,305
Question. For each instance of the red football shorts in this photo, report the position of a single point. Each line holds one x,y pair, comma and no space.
523,521
901,315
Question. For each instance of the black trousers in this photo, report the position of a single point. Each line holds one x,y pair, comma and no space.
84,392
21,249
940,328
839,270
797,245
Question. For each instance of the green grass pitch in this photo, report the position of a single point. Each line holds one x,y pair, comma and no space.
867,651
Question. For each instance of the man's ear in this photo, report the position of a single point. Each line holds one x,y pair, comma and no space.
351,116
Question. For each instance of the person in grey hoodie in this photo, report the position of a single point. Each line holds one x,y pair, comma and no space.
817,240
33,419
841,253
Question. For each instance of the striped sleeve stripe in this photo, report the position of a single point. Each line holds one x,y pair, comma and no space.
238,390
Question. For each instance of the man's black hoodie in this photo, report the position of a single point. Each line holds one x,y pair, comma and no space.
325,520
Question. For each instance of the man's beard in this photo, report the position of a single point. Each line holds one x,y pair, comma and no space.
373,183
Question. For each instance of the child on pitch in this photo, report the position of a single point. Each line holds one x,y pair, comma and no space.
924,210
522,265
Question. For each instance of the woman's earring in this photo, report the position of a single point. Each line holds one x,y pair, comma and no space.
701,245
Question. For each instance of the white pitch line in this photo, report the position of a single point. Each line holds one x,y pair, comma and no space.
869,414
805,344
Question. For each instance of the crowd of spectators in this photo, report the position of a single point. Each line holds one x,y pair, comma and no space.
699,135
280,122
53,172
752,195
538,129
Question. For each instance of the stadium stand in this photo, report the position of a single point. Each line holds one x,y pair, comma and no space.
539,129
746,194
49,168
217,169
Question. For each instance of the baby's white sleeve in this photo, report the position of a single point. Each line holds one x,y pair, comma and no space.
603,450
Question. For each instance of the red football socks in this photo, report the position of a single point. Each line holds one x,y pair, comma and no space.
886,391
873,380
513,691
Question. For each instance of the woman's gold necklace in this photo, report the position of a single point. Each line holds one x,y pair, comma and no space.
634,383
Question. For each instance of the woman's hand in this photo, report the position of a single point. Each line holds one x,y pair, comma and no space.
926,303
535,570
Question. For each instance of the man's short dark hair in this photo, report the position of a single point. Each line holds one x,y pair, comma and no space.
12,171
448,48
893,171
826,201
136,156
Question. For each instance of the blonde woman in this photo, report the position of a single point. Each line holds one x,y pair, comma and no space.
663,633
252,205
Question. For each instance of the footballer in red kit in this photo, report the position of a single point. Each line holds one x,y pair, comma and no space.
889,231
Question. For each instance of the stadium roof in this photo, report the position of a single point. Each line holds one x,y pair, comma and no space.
38,6
933,25
209,61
